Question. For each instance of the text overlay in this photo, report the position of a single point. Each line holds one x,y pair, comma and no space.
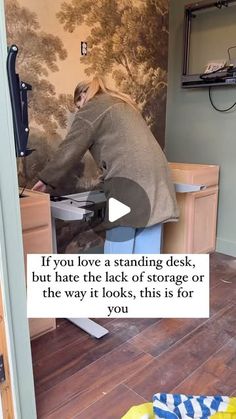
141,286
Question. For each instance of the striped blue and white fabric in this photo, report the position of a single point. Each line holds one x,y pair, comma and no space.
175,406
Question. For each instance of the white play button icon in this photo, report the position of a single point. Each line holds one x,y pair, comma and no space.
124,203
117,209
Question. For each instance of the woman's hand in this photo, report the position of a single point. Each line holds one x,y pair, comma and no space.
39,186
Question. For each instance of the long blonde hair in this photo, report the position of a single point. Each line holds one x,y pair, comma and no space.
98,85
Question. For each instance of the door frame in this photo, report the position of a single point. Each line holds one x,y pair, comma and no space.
12,275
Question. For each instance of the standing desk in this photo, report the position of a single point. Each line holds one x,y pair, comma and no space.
70,208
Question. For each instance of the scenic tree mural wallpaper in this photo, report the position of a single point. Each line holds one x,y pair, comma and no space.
127,43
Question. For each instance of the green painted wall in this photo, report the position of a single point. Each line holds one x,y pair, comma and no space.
195,132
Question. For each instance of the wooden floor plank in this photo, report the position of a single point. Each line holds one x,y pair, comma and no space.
222,267
222,295
113,405
216,376
62,336
127,328
173,366
64,362
71,359
76,375
104,322
74,394
159,337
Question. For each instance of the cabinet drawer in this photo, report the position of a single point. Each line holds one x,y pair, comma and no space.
35,210
38,240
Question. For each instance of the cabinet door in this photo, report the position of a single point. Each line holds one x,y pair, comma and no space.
38,240
204,221
195,232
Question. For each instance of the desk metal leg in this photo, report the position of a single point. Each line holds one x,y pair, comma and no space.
54,235
91,327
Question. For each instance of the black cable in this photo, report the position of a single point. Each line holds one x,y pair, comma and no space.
26,177
229,67
22,191
63,197
217,109
86,202
234,46
205,76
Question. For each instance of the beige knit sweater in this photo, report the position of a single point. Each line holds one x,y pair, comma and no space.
122,146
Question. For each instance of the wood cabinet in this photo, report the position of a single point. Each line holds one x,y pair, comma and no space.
195,232
37,238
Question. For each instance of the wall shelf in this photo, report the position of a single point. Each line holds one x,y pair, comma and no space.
194,80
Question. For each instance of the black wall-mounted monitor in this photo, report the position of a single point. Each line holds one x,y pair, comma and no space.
19,103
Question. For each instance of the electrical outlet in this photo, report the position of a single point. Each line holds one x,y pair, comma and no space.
84,48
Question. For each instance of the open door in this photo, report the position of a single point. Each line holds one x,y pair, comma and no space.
6,405
17,390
